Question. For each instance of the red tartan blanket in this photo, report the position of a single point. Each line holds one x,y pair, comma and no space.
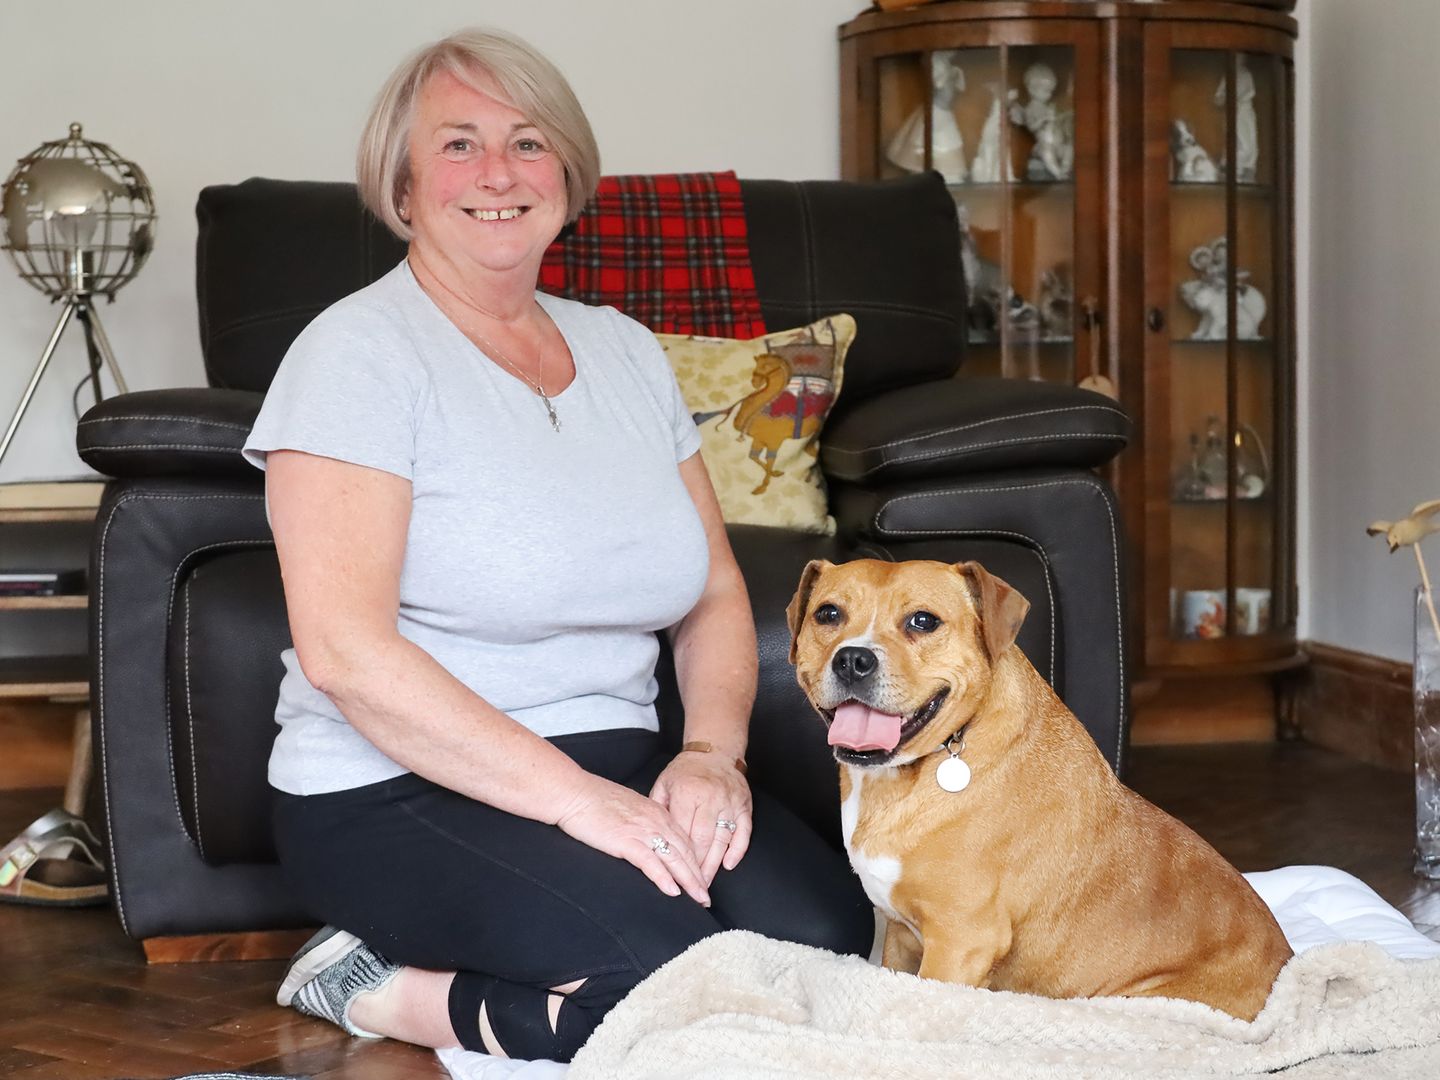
671,251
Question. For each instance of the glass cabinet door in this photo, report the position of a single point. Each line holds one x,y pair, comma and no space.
999,123
1227,322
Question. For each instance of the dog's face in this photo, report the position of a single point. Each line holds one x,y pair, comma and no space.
896,657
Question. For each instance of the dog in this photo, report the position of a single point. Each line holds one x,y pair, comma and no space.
984,822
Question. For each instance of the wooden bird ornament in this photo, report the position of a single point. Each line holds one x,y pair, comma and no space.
1408,532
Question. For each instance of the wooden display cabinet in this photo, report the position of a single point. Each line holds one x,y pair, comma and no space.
1107,247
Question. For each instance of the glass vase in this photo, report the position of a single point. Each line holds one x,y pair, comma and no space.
1427,741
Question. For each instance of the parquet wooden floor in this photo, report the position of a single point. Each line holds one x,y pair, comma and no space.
77,1001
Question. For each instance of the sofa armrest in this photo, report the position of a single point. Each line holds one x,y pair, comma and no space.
188,431
953,427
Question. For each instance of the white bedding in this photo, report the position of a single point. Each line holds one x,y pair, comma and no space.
1315,905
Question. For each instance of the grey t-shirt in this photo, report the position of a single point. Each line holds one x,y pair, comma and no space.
538,564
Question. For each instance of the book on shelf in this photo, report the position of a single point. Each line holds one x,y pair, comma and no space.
41,582
80,493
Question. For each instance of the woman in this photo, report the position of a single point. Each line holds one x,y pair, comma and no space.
485,502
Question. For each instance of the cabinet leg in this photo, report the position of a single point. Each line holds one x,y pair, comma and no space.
79,779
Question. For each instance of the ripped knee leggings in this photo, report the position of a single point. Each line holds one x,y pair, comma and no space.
433,879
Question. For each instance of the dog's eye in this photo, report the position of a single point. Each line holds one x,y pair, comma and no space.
923,622
827,614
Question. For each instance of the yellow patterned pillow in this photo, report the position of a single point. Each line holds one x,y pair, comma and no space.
760,405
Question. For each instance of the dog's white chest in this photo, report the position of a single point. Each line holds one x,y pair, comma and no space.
877,873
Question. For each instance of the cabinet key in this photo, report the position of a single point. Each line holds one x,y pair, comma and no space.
1155,319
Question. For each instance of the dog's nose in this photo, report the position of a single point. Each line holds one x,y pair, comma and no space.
853,664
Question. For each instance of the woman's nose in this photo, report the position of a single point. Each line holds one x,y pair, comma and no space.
493,172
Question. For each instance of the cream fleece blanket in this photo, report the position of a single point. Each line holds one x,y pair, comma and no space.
781,1010
743,1006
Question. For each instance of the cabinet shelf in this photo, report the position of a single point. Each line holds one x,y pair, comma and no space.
1255,500
1019,185
1193,343
1016,338
1247,191
67,601
44,676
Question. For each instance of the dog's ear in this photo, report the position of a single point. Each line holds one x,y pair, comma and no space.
800,603
1002,608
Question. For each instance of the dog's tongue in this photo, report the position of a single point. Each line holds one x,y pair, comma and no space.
860,727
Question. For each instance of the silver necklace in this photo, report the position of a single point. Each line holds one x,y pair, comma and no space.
537,385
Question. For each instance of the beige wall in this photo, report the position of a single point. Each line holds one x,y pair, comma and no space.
1373,384
212,91
200,91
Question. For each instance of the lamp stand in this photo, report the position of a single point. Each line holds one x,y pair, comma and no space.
97,346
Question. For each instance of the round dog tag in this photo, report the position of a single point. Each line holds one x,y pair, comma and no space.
953,774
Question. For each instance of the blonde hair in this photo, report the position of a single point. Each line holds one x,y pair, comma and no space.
529,82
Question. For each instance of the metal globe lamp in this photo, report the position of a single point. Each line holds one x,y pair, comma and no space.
79,222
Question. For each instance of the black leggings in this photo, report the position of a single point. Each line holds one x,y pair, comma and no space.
433,879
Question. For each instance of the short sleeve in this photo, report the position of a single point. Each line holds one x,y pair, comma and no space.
348,388
655,368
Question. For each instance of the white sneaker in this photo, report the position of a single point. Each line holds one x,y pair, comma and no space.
329,972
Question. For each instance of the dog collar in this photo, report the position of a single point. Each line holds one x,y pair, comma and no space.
953,774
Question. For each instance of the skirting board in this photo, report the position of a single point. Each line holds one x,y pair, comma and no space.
1358,705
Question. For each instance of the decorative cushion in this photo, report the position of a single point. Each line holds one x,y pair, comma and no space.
760,405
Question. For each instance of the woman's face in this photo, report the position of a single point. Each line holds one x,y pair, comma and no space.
486,188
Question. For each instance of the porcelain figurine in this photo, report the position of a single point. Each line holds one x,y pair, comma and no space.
1205,296
1247,125
1193,164
985,169
1053,156
947,146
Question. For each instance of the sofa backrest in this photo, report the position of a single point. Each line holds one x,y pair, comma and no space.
273,254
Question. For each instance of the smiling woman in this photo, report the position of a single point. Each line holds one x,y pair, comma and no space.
476,717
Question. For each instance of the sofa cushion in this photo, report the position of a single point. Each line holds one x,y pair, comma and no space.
228,628
760,406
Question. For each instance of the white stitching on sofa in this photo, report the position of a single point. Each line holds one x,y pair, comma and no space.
1089,482
190,721
177,419
951,452
166,446
169,603
981,423
97,707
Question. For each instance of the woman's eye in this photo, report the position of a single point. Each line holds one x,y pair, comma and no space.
529,148
922,622
827,614
458,146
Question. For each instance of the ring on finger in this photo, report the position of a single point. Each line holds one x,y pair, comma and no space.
726,824
659,845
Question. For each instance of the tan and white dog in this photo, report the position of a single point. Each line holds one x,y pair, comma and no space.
982,818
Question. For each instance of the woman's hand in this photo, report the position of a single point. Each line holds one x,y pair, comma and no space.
611,818
700,791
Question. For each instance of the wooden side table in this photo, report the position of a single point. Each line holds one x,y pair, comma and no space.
59,679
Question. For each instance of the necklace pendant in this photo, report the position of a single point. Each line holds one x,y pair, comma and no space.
550,408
